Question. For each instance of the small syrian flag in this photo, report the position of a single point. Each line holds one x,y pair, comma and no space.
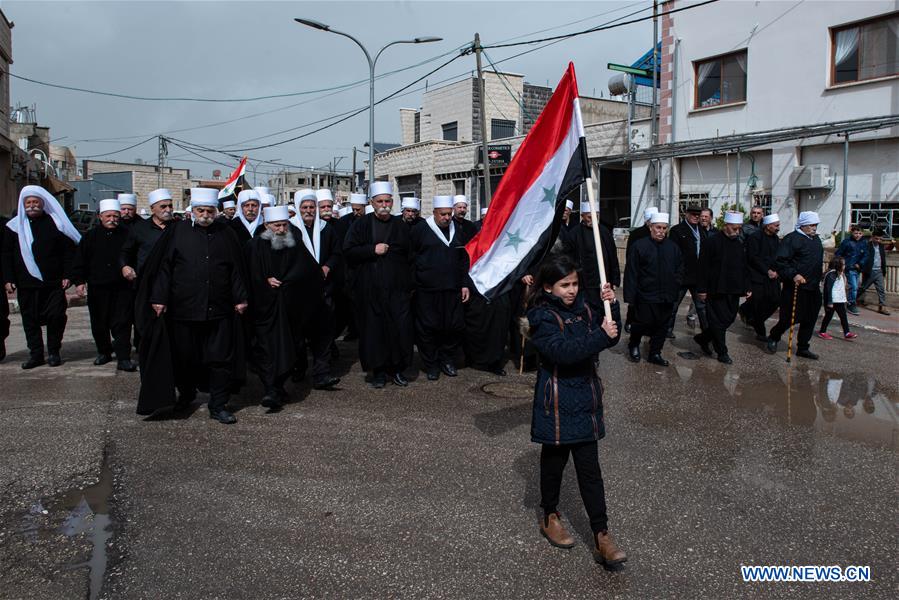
230,188
526,210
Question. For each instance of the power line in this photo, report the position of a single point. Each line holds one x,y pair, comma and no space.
121,149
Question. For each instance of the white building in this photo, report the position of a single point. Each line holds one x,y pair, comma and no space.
755,102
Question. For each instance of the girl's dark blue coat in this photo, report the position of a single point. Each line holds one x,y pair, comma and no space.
568,394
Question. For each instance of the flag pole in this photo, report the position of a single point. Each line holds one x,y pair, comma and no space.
601,263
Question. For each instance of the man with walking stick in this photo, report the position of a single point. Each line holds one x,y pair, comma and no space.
799,266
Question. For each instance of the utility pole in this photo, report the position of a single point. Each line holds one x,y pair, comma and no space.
482,100
353,184
160,163
655,73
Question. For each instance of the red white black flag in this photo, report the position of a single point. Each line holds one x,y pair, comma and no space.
230,188
526,211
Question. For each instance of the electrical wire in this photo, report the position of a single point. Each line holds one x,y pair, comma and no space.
121,149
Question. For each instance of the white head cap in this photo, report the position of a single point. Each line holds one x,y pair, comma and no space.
483,212
127,199
443,202
369,209
228,204
460,199
204,197
275,213
158,195
659,217
323,194
106,205
344,211
358,199
267,199
304,194
262,190
647,214
585,208
807,217
569,204
380,187
772,218
733,218
411,203
247,195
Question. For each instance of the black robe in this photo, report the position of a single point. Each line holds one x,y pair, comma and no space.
142,237
578,242
382,288
244,236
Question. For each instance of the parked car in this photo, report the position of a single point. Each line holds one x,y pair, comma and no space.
83,219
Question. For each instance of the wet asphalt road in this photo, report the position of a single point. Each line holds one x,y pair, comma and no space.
431,491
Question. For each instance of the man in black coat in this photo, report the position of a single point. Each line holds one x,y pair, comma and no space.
723,278
460,212
441,287
800,258
761,254
411,211
578,242
38,261
874,270
110,298
652,278
689,237
200,285
377,249
248,221
635,235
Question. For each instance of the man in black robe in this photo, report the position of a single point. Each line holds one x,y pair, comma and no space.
723,278
652,278
229,209
110,298
199,286
128,210
347,309
441,288
756,215
411,211
799,264
248,222
761,253
689,237
4,303
635,235
38,260
377,247
460,212
319,256
578,242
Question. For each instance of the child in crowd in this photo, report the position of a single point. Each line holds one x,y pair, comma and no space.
835,298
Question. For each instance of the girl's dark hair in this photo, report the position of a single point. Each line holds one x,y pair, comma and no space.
556,266
837,263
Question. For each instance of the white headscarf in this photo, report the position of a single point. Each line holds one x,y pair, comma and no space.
314,245
247,196
22,226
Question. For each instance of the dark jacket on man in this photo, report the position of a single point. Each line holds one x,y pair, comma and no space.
761,254
723,269
869,259
97,261
142,237
578,242
800,254
653,273
54,254
682,235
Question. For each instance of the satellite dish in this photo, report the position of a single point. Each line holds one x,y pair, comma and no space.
217,173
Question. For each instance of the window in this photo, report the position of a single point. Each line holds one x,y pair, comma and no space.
700,199
869,215
459,187
865,50
501,128
451,131
720,80
762,199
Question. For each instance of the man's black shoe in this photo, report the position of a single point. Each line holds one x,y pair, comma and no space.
726,359
627,327
222,416
499,371
34,361
53,360
379,381
449,370
807,354
2,350
770,346
102,359
399,380
271,402
127,366
761,337
633,354
433,375
326,384
657,359
703,345
670,335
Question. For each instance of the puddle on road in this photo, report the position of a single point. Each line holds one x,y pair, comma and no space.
508,389
852,406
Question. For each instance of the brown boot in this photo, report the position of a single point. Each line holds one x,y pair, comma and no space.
552,529
607,552
883,310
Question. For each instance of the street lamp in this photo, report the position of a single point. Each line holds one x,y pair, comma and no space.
371,79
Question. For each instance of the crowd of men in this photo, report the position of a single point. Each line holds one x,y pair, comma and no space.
247,285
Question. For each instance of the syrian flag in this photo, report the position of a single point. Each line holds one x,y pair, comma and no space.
230,188
526,210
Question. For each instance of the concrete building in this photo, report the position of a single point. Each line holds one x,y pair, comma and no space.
104,179
757,108
285,183
441,140
8,147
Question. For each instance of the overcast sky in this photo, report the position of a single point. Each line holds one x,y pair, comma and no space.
248,49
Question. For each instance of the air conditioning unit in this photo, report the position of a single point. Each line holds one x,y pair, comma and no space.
810,177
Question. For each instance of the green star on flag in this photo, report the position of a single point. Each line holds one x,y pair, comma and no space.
514,239
549,195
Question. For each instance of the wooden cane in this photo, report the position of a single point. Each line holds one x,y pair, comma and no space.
792,320
594,215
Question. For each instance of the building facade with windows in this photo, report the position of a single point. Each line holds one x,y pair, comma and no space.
756,110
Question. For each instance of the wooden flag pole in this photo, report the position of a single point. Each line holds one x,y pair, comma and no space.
594,216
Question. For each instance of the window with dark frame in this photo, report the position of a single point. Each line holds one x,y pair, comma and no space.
451,131
867,50
501,128
720,80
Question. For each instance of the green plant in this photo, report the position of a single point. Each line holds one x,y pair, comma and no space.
725,208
